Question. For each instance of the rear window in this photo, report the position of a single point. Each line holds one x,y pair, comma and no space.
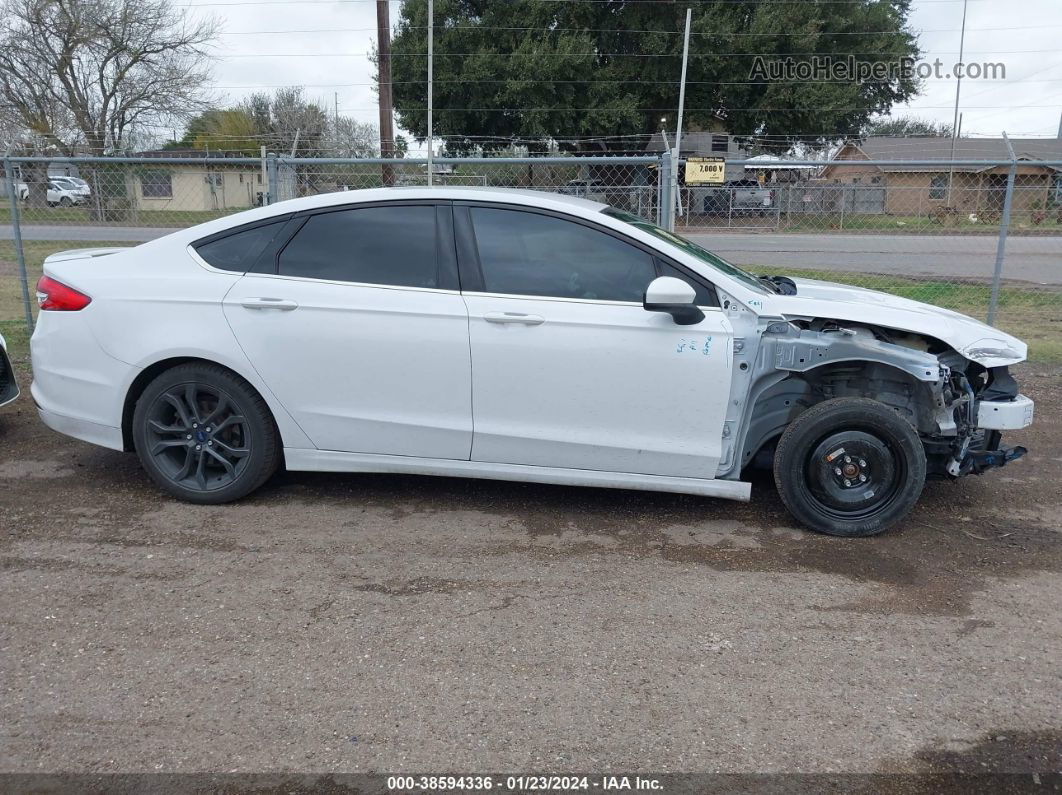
238,251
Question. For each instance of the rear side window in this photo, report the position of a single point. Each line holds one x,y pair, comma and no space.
372,245
238,251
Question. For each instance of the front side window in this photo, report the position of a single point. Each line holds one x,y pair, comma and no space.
687,247
371,245
524,253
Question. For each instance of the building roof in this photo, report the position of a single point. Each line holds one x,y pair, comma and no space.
938,148
185,152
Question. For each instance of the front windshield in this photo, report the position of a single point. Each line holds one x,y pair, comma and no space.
705,256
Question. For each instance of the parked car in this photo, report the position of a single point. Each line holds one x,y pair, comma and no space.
516,335
58,195
8,384
74,185
592,189
738,196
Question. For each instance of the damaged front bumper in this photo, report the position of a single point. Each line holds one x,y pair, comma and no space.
994,416
1005,415
997,407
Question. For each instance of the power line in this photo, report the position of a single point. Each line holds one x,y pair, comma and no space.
671,108
612,54
462,28
688,2
1008,82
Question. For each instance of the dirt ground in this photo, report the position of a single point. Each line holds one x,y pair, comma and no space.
396,624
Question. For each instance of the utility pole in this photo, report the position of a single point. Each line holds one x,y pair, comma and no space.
431,71
387,132
678,122
958,85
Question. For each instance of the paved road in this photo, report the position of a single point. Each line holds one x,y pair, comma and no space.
1032,259
400,624
124,234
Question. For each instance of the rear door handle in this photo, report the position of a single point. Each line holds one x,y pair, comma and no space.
514,317
282,304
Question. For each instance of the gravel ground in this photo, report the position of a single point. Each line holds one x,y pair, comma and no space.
396,624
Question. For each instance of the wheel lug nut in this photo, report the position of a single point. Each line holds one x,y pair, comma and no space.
847,482
211,443
862,463
862,478
848,459
836,470
199,447
189,436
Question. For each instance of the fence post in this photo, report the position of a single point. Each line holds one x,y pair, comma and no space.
272,177
16,225
1004,226
667,201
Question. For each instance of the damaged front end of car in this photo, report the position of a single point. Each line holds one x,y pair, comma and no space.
958,406
978,405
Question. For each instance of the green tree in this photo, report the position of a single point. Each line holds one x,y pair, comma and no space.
908,126
525,72
230,131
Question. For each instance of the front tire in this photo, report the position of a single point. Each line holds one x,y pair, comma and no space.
204,434
850,467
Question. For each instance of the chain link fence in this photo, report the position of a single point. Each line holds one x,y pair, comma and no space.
980,237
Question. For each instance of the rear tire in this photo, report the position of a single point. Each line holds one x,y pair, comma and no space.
204,434
849,467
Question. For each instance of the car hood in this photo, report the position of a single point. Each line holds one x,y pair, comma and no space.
973,339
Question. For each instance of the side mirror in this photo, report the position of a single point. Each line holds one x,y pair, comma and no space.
674,296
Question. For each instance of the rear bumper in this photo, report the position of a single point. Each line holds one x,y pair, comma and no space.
1005,415
79,390
86,431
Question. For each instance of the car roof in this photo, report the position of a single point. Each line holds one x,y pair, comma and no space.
528,198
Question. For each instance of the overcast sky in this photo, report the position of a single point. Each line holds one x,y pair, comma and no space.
260,46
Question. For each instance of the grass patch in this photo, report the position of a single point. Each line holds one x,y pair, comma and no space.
83,216
1032,315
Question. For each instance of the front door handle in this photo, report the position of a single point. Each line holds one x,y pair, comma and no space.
514,317
282,304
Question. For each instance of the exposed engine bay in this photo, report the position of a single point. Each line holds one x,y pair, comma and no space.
958,407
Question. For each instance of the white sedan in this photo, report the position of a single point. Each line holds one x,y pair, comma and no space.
514,335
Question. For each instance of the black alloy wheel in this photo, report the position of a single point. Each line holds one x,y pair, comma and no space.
204,434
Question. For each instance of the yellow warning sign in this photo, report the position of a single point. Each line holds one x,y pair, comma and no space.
705,170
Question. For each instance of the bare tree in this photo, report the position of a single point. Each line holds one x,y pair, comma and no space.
351,138
84,74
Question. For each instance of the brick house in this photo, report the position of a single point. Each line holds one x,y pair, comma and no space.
919,190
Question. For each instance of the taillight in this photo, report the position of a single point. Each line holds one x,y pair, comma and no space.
58,297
